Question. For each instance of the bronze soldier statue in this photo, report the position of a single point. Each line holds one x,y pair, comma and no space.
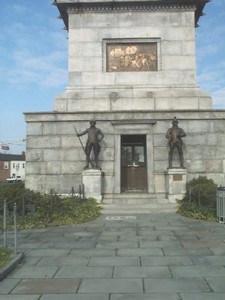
174,134
95,135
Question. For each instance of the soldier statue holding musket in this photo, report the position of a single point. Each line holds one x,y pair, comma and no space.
95,135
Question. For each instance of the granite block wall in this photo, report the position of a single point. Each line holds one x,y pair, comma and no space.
55,158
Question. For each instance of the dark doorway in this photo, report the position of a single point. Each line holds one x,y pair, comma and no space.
133,163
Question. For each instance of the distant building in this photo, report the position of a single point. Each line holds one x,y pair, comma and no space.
12,165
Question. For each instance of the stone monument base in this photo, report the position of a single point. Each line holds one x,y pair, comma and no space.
176,179
92,181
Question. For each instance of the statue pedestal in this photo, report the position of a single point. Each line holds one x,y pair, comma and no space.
176,180
92,181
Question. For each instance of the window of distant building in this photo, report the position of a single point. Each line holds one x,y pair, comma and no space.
6,165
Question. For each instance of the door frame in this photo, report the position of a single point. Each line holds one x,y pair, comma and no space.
135,127
130,171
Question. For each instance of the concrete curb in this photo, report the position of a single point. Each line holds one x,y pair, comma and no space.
11,265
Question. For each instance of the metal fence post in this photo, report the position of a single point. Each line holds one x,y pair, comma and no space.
51,199
82,190
190,193
15,228
24,205
72,192
5,223
220,207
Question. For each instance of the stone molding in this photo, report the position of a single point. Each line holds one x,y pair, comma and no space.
78,7
107,7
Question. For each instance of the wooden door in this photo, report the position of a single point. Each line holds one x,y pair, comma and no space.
133,163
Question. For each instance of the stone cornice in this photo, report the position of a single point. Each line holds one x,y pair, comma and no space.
77,7
127,7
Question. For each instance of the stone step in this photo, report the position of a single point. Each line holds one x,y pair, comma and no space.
121,209
134,198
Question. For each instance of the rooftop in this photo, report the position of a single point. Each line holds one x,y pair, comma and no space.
10,157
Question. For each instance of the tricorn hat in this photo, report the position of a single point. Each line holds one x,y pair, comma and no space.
175,121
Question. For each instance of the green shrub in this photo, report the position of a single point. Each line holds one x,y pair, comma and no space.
199,201
194,211
201,191
46,210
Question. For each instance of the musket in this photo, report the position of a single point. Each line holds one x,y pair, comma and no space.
79,140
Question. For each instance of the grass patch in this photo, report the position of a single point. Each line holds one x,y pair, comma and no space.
5,256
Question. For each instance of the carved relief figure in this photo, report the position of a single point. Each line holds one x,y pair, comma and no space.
131,57
174,135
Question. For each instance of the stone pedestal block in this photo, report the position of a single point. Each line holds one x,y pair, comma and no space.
92,181
176,180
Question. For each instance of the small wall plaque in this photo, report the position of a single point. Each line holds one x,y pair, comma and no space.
177,177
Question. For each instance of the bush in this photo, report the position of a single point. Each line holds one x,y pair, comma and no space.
199,201
194,211
201,191
46,210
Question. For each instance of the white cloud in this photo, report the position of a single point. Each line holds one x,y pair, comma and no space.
211,78
41,70
219,98
32,54
18,9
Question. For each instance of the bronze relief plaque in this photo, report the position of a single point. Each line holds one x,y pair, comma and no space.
131,57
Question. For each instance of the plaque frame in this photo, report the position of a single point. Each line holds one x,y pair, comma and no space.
131,55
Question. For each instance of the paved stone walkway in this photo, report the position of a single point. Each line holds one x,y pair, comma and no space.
131,257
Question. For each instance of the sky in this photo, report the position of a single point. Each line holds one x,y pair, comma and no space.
33,62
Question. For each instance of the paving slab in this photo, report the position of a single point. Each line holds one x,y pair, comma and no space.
114,261
141,272
160,244
92,252
146,232
140,238
198,271
7,285
175,285
209,260
47,286
116,245
62,261
147,296
218,250
166,261
216,284
49,252
187,251
74,297
143,256
203,296
33,272
140,252
114,285
20,297
201,244
84,272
